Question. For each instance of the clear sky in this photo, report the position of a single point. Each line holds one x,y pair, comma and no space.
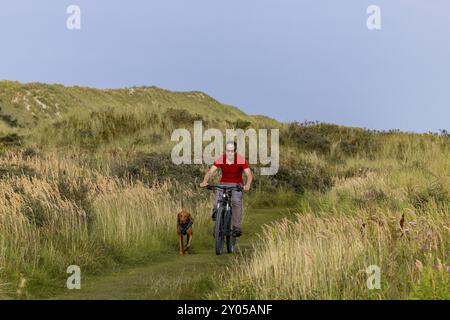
289,59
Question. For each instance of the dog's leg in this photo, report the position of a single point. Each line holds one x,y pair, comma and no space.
180,244
189,238
186,249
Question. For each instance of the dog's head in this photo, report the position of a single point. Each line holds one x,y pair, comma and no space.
184,217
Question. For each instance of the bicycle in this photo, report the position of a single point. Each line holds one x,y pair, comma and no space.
222,228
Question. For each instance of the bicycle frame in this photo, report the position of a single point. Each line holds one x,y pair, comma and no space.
223,217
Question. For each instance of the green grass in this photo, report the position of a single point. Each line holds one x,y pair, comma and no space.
169,276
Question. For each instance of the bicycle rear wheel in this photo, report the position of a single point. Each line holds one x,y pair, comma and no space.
219,234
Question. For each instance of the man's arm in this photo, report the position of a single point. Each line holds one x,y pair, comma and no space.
211,172
249,175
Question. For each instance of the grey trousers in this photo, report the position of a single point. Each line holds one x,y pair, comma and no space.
236,204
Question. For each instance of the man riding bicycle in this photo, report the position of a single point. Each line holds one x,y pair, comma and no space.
232,165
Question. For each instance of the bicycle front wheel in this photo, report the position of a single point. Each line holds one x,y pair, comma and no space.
231,244
231,241
219,233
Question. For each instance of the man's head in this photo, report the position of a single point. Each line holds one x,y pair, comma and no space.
230,150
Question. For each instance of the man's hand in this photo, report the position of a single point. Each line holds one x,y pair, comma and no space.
203,184
246,188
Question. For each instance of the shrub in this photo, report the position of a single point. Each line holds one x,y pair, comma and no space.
11,140
152,167
420,198
181,117
239,124
9,120
322,138
301,176
30,152
308,138
10,170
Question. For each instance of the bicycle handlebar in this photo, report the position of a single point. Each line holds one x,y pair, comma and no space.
236,187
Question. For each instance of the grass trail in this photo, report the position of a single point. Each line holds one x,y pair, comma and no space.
169,276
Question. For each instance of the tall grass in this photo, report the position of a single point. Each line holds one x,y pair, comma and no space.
326,258
392,211
55,213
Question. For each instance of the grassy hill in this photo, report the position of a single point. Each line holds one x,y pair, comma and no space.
86,179
28,105
89,117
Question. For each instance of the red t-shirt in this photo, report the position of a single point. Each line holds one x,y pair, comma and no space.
231,172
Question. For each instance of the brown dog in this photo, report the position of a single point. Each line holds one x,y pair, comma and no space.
184,227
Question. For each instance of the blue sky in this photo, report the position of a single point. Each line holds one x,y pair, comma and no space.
289,59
